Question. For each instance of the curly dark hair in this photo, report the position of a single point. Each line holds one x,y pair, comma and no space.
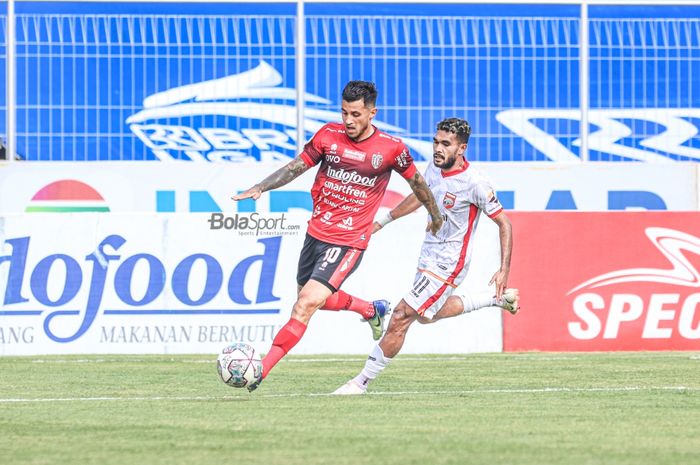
457,126
365,90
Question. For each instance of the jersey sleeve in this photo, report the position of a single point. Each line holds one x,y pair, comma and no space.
430,172
487,200
313,150
403,162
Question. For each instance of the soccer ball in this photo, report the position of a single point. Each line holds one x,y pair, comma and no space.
239,365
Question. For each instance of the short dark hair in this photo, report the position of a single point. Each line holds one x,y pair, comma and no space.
457,126
365,90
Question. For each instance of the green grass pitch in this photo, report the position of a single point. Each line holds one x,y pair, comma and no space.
533,408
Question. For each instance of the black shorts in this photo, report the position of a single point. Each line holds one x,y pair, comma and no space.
328,264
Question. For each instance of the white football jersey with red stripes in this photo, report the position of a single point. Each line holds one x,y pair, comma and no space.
461,197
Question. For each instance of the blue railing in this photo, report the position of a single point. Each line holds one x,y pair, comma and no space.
110,81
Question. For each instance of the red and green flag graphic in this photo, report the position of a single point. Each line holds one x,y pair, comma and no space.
67,196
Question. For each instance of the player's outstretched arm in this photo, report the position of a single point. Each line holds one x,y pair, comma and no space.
282,176
505,232
425,196
408,205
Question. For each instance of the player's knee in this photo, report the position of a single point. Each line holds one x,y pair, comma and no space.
404,315
306,303
305,306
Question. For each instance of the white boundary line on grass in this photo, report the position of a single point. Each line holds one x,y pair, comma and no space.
407,358
547,390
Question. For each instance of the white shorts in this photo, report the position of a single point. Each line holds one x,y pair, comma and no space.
429,294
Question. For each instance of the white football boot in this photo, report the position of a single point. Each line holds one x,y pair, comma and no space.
509,301
351,388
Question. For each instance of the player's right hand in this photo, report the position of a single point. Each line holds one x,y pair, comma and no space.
254,192
435,225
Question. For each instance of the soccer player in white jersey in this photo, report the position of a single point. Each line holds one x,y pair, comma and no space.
462,192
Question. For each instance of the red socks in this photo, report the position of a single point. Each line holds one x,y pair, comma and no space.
292,332
284,341
344,301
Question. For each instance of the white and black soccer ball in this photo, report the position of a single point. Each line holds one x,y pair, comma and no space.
239,365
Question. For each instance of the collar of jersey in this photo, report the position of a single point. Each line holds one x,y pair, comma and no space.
455,172
363,140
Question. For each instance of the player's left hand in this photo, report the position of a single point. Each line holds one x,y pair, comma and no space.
500,278
376,227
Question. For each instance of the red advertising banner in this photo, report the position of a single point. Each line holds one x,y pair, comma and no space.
605,281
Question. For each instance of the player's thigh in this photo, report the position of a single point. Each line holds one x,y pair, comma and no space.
331,265
307,260
428,295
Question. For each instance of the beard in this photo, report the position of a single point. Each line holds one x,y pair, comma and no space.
447,162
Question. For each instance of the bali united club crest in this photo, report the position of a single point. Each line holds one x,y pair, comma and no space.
377,160
449,200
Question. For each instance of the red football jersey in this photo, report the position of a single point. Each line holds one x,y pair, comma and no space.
351,181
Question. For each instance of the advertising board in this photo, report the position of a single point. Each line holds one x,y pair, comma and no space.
606,281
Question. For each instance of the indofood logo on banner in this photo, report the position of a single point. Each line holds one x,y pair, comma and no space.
118,290
258,125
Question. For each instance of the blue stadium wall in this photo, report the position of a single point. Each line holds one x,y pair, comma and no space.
216,82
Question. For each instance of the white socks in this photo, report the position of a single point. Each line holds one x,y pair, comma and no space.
375,364
377,361
473,302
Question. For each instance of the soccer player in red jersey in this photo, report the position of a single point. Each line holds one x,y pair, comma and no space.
356,160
